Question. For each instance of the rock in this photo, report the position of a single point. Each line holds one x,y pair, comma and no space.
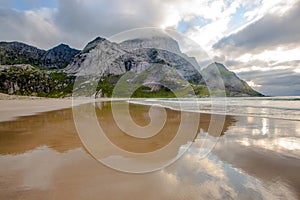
58,57
217,76
19,53
26,80
102,58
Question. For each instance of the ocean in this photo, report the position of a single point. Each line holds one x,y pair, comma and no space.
285,107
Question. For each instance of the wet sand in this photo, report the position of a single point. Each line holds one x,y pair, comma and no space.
42,157
272,155
10,109
12,106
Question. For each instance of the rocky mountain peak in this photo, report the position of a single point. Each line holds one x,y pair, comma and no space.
20,53
92,44
158,42
62,46
58,57
103,57
218,66
217,76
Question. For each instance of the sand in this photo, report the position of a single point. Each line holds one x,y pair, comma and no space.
10,109
13,106
42,157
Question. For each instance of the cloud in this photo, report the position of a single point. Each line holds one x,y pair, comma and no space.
278,82
274,78
28,27
77,22
266,50
88,19
269,32
218,14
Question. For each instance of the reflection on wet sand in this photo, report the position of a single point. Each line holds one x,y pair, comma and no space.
56,130
53,129
270,151
141,117
43,158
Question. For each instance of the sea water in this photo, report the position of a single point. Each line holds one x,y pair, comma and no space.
269,107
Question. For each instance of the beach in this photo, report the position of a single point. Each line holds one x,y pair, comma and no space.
42,156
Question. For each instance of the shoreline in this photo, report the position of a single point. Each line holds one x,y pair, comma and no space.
13,106
58,158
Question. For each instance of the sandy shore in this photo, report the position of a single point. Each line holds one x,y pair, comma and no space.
12,106
42,157
10,109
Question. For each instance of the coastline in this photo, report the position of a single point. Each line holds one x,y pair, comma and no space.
51,136
13,106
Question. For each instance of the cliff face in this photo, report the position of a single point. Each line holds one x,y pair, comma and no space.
100,57
104,58
155,60
217,76
19,53
58,57
23,79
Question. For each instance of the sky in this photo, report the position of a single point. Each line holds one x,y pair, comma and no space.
257,39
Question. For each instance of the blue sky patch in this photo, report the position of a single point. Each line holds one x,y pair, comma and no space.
23,5
199,21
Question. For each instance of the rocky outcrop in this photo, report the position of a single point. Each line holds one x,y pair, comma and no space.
20,53
23,79
58,57
100,57
217,76
103,58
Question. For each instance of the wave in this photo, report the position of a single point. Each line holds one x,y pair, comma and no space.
262,107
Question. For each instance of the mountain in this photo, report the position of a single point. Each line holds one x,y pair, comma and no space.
20,53
58,57
96,57
155,63
103,57
217,76
145,67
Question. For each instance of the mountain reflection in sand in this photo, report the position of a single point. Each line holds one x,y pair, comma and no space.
42,157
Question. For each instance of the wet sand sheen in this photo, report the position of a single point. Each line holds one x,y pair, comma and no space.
56,129
42,157
140,115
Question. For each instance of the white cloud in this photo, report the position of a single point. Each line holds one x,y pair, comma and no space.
271,56
29,26
280,55
220,15
297,70
277,7
267,45
209,34
252,84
